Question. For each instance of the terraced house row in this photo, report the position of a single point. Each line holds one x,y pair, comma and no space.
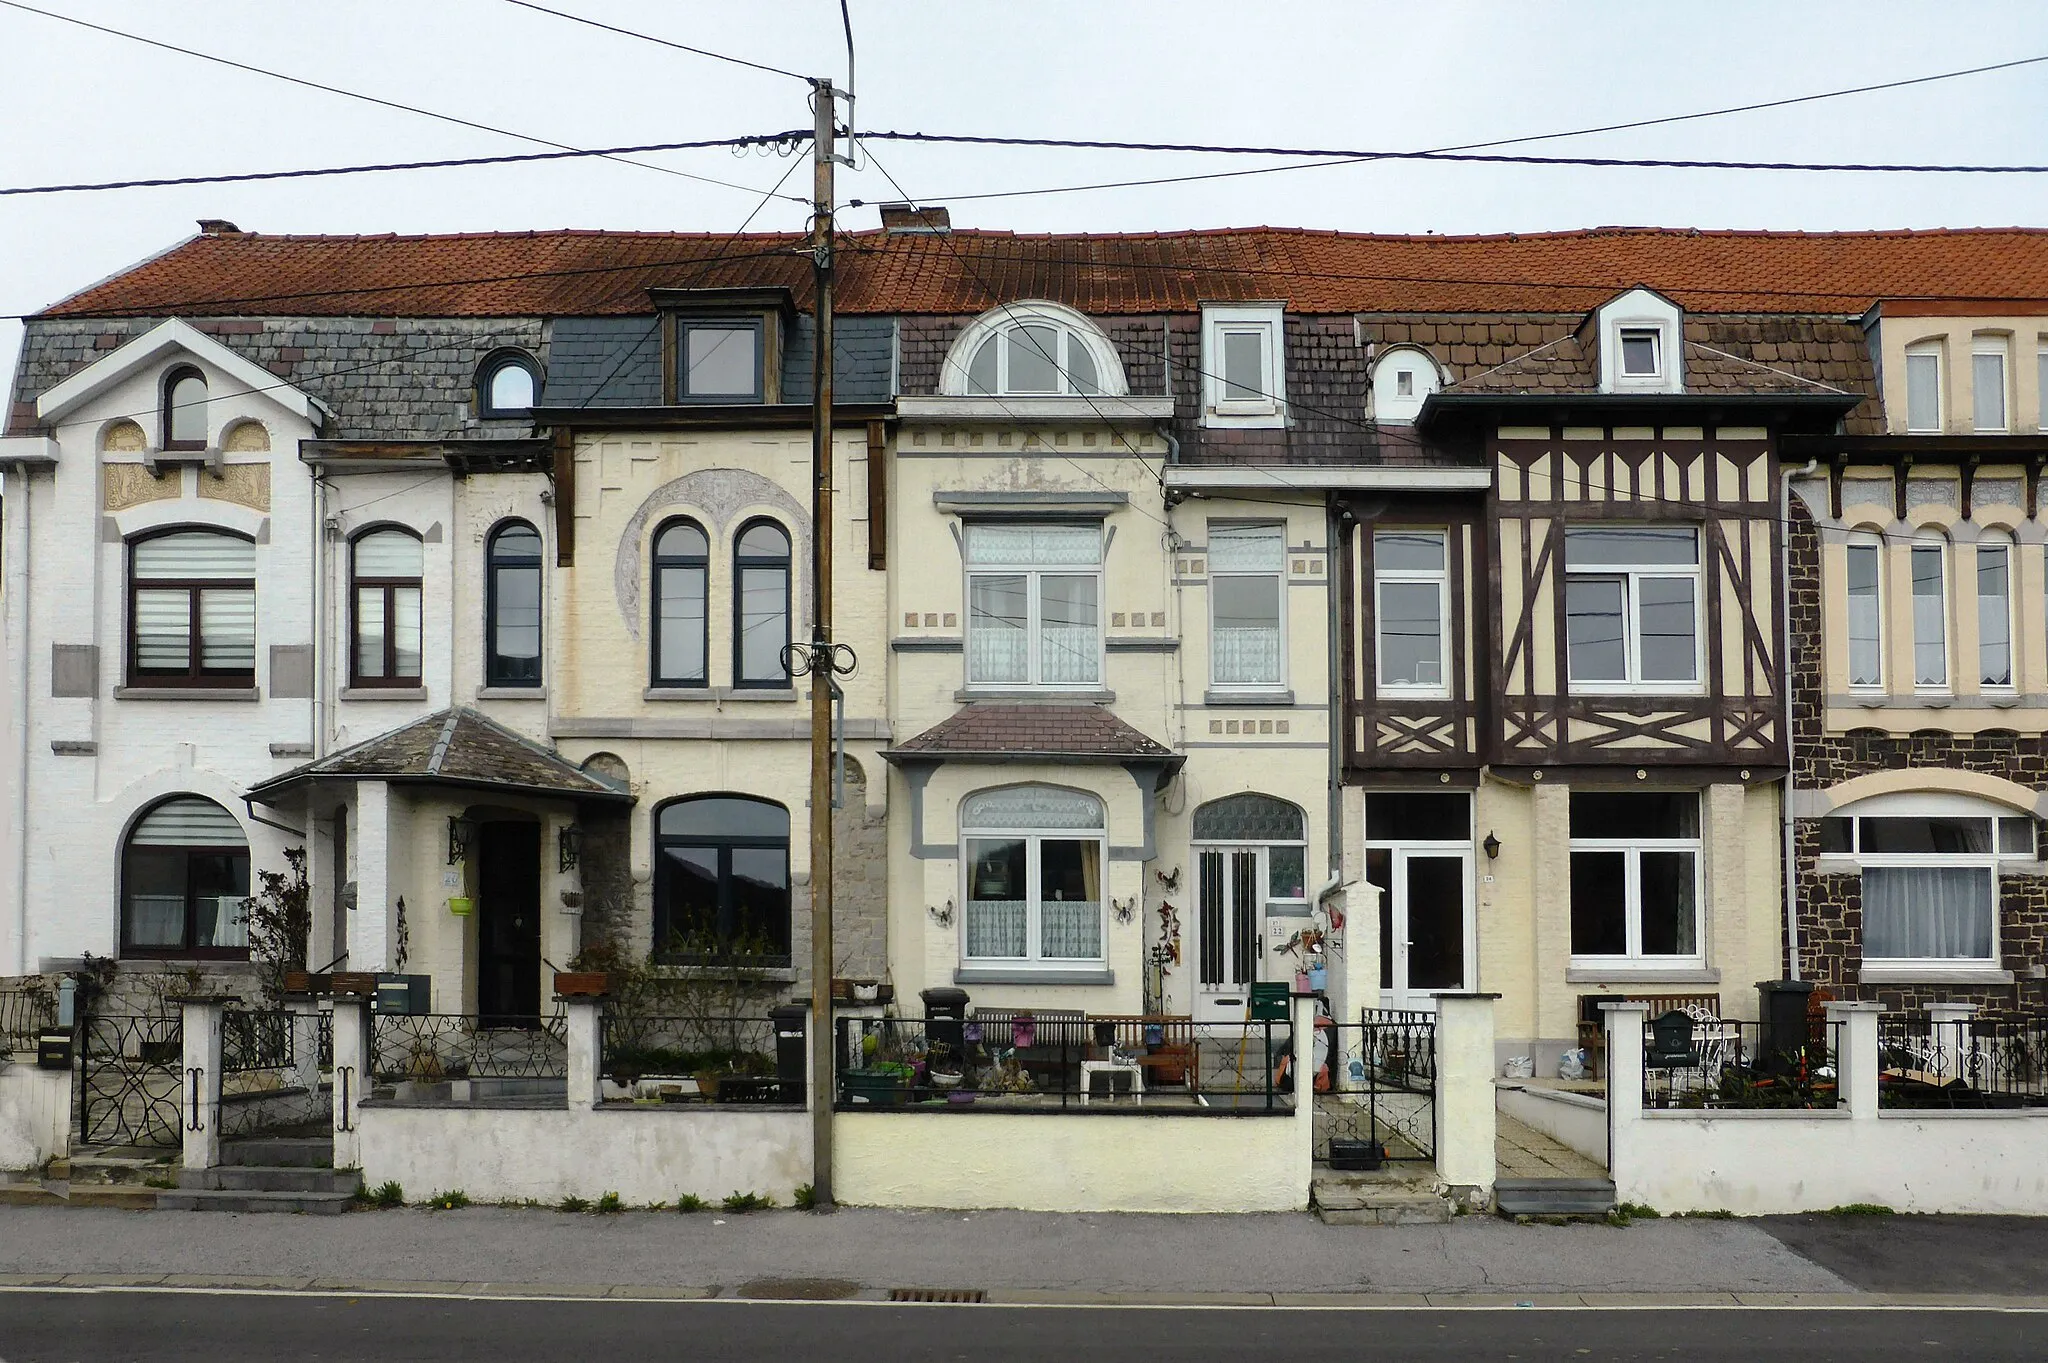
1564,617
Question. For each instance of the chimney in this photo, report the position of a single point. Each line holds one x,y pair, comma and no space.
217,227
908,219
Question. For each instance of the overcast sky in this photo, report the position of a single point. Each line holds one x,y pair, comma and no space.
88,106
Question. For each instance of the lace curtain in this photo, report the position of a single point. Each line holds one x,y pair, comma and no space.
1928,912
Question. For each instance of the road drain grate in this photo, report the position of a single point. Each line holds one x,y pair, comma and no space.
967,1296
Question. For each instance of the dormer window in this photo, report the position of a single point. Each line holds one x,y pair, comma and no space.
184,414
507,386
1402,379
718,360
1642,353
1032,349
1244,370
1987,383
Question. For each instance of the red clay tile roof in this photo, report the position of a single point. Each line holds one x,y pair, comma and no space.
599,273
986,729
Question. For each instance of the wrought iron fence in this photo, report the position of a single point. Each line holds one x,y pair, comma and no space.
1040,1061
696,1058
262,1086
1728,1064
436,1047
129,1077
1982,1062
252,1039
1376,1088
24,1015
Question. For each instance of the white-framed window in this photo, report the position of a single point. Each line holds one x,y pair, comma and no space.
1987,383
1402,379
1033,858
1632,597
1636,877
1929,864
1247,606
1034,605
1032,349
1244,371
2041,387
1923,387
1411,602
1994,611
1642,353
1929,563
1864,575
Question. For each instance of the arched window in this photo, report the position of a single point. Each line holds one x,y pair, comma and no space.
1930,863
760,605
386,566
682,563
192,610
721,880
184,877
1033,857
1033,349
1250,818
507,386
1994,610
512,606
1929,563
184,414
1401,380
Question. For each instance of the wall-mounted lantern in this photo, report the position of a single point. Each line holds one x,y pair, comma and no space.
569,847
1492,845
461,832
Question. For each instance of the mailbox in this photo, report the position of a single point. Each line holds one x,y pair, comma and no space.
406,994
53,1051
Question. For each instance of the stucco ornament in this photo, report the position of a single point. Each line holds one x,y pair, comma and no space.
719,496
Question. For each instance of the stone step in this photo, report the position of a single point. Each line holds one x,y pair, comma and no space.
242,1200
1407,1209
118,1169
57,1193
280,1152
1553,1196
257,1178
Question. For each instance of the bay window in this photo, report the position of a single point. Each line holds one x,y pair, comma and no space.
1632,607
1033,857
1034,612
1247,596
1635,877
192,610
1411,591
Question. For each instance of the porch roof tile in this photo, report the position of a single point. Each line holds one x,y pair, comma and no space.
457,746
991,730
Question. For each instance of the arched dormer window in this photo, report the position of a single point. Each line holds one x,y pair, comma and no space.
184,412
507,385
385,568
682,567
512,606
1401,379
1035,349
760,595
192,609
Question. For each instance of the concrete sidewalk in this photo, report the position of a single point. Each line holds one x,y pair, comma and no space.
867,1251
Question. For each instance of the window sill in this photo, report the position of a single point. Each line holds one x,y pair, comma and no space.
511,693
1010,974
1221,697
1645,974
1632,690
188,693
383,693
1907,972
720,693
1029,693
748,974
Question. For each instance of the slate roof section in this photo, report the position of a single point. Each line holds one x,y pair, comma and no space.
993,730
580,273
1567,365
456,747
603,362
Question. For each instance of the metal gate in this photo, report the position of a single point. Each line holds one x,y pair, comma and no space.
1381,1087
128,1079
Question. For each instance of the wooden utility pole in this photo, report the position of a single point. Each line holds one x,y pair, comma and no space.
822,664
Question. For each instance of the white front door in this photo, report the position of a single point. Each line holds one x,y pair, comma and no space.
1425,922
1229,888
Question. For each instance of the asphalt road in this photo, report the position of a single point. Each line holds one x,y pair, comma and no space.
1991,1255
84,1327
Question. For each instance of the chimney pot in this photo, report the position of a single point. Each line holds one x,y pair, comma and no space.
903,218
217,227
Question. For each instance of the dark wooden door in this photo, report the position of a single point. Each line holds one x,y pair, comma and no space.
508,924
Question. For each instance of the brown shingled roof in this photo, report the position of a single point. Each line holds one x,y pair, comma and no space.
598,273
456,746
1566,366
996,730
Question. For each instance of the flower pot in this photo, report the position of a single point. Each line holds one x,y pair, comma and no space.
462,906
1301,982
582,984
874,1087
945,1079
960,1097
357,982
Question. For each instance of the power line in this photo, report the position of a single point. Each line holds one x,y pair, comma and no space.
776,140
650,38
352,94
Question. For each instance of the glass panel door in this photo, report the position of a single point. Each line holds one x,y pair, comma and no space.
1425,923
1229,885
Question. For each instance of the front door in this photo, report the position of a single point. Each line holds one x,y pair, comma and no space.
1425,921
508,924
1229,886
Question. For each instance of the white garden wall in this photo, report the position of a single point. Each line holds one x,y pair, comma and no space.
35,1114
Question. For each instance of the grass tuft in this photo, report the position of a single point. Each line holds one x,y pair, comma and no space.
690,1202
573,1204
609,1205
748,1202
386,1195
805,1197
1860,1209
451,1201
